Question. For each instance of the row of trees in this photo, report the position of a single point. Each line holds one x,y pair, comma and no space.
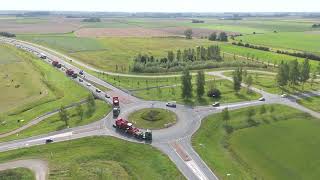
300,54
200,53
251,46
221,37
91,108
316,26
293,73
7,34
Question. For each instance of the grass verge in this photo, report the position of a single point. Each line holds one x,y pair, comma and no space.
100,158
274,142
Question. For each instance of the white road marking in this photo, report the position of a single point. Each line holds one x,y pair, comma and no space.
196,170
53,137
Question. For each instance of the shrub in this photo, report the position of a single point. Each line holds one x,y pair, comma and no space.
214,93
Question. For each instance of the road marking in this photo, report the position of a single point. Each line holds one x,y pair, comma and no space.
53,136
188,160
196,170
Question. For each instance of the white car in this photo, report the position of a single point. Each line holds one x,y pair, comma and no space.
98,90
284,95
88,84
216,104
171,104
262,99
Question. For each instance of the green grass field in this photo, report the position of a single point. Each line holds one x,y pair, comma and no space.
100,158
54,123
56,89
280,143
17,173
303,41
311,103
112,52
174,94
153,118
267,82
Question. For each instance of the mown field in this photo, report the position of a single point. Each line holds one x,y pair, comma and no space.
267,82
302,41
275,142
174,94
41,89
54,123
17,173
100,158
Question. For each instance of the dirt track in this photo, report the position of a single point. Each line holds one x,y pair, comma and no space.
39,167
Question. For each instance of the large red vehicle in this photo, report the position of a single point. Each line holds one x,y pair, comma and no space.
56,64
128,128
115,101
69,72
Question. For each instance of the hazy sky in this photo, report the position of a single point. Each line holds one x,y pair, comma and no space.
165,5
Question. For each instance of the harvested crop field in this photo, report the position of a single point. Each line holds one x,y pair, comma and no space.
142,32
121,32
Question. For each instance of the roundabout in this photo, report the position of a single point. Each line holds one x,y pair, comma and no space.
153,118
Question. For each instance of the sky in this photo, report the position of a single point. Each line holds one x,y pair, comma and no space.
165,5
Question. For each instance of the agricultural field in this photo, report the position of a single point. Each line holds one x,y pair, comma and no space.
240,153
17,173
100,158
25,99
173,93
114,53
301,41
54,123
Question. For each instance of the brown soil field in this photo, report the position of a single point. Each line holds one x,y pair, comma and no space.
121,32
141,32
50,25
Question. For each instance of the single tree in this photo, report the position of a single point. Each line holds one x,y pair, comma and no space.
64,115
282,75
237,79
200,84
225,115
91,104
213,36
305,72
249,82
188,33
318,68
170,56
179,56
223,36
294,72
80,111
186,84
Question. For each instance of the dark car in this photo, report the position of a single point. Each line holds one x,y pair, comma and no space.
49,141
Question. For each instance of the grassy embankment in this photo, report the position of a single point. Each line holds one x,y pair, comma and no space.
31,88
100,158
54,123
278,143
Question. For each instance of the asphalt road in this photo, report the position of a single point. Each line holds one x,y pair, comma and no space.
174,141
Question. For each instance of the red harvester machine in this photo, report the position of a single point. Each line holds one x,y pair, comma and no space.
128,128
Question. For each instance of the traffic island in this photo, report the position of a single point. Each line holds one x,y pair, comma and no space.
153,118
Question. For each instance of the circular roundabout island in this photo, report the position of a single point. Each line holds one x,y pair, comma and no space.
153,118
